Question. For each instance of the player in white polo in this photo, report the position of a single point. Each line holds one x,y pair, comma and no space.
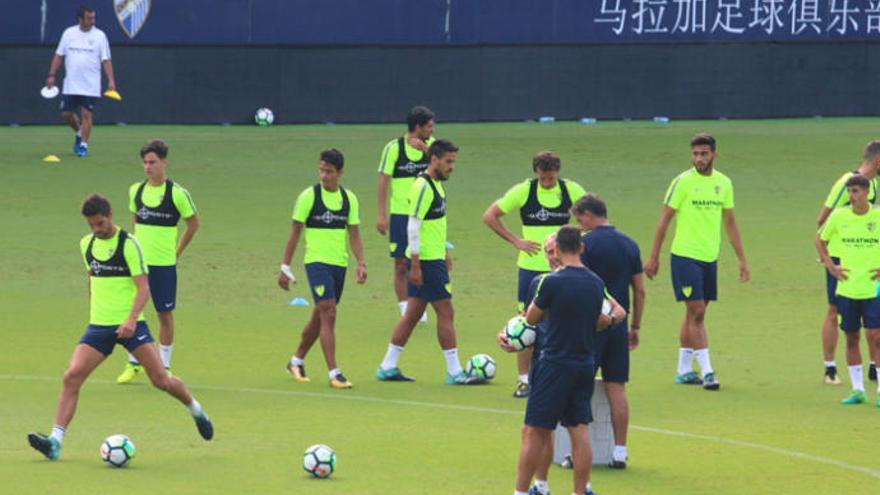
84,50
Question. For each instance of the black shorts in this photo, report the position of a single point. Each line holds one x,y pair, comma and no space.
855,314
524,279
103,338
435,282
831,284
326,281
560,393
612,353
163,287
70,103
397,236
694,280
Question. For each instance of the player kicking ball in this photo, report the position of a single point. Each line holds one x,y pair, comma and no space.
856,231
118,291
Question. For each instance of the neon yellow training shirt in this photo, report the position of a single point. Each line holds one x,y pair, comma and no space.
326,245
400,187
699,201
111,298
838,198
858,238
432,233
160,243
516,197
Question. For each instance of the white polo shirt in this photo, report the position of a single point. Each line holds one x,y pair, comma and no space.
83,52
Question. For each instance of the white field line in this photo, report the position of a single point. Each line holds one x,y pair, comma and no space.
458,407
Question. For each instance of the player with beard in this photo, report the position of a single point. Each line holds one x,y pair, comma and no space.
703,199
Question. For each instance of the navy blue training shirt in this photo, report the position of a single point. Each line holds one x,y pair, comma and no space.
614,257
573,298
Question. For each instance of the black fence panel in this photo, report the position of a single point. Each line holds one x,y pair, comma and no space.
214,84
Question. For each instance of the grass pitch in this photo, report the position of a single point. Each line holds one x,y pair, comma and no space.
773,428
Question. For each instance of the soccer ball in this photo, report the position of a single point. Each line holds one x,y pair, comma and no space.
117,450
519,333
264,117
319,461
481,366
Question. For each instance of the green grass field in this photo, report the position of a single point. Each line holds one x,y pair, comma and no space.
773,428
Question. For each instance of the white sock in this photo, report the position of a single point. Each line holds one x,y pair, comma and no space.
542,486
619,453
195,408
333,373
702,356
132,359
685,360
296,361
856,377
830,364
84,144
57,433
453,365
524,378
402,305
516,492
391,357
872,364
589,487
165,353
79,134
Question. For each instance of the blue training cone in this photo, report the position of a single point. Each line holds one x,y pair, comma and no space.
298,301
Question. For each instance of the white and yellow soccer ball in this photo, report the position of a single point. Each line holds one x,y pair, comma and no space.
519,333
481,366
264,117
117,450
319,461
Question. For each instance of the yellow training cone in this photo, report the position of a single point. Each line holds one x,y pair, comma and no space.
113,94
51,159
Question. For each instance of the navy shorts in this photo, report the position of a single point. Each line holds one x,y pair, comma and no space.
694,280
69,103
831,284
103,338
524,279
397,236
854,314
560,393
163,287
326,281
435,282
612,353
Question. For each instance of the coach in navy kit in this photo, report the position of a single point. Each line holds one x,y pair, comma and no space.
615,258
571,299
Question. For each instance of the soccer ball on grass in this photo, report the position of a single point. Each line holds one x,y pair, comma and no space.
117,450
481,366
319,461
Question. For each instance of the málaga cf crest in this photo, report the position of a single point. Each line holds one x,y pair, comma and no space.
132,15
